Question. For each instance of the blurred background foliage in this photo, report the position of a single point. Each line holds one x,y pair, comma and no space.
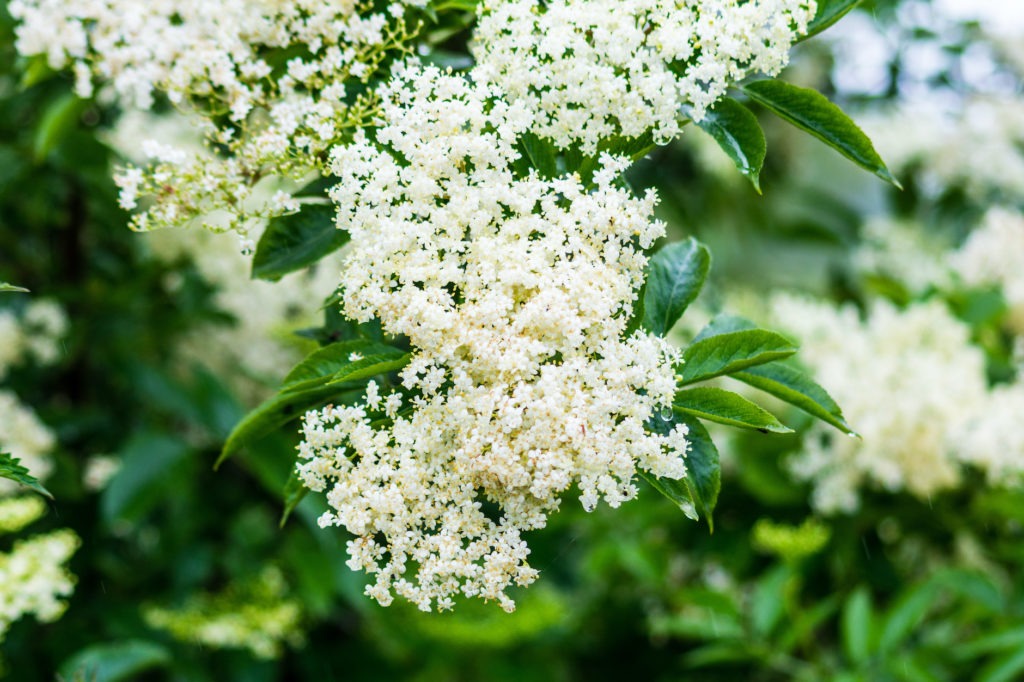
184,573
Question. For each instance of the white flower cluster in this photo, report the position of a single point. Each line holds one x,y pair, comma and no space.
918,383
992,256
905,252
24,437
974,145
257,615
514,293
31,335
590,70
993,440
276,71
33,578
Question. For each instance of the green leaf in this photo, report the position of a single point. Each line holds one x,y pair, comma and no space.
731,352
829,12
737,132
796,388
769,600
857,626
344,361
703,470
294,492
60,119
4,286
540,153
675,276
811,111
12,469
1005,669
908,612
147,460
114,662
295,241
697,493
274,413
726,407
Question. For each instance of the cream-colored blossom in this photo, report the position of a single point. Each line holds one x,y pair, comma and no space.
907,380
590,70
991,256
514,292
34,579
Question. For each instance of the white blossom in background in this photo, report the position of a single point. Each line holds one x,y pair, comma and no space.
908,380
25,437
993,441
283,115
514,293
258,346
904,252
590,70
33,578
992,256
31,335
974,145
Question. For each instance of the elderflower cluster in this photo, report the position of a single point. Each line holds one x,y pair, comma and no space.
591,70
33,578
31,335
918,382
993,440
257,615
515,294
276,76
991,256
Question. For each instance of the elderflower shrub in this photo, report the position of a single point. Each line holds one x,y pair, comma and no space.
31,334
991,257
257,615
593,70
918,383
514,293
273,80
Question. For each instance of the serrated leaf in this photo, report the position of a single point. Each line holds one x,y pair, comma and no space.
675,276
294,492
296,241
12,469
697,493
796,388
829,12
857,626
731,352
811,111
114,662
726,407
4,286
274,413
333,362
737,132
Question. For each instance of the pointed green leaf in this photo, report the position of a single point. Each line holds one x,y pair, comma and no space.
147,461
4,286
731,352
908,612
829,12
294,492
675,490
726,407
275,412
857,626
796,388
343,361
125,660
295,241
675,276
11,468
540,153
769,599
703,470
1004,669
737,132
60,119
811,111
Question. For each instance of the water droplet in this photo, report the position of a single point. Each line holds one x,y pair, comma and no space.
666,413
